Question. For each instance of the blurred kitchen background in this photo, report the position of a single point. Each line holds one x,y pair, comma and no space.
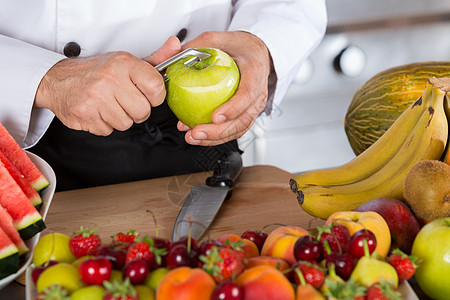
363,37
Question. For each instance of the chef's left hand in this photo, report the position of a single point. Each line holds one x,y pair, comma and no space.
234,118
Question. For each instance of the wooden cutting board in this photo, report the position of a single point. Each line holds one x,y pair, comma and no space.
261,197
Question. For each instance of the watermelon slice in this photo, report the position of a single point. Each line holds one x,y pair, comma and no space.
26,187
26,219
6,223
20,159
9,256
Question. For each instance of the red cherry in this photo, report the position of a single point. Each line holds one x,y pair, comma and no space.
115,254
227,290
307,247
357,245
256,236
39,269
179,256
206,246
95,270
136,270
184,240
344,263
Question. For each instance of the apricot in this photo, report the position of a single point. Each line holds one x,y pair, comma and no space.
187,284
248,247
275,262
280,242
265,283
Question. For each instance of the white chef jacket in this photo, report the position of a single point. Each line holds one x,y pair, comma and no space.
33,35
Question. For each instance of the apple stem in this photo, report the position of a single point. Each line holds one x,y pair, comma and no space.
300,276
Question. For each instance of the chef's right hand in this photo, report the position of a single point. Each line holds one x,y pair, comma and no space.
101,93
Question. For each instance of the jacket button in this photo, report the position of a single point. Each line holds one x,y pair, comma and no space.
72,49
181,35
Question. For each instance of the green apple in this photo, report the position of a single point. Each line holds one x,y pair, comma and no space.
432,247
193,93
154,277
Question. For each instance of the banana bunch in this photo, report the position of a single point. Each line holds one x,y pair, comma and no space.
419,133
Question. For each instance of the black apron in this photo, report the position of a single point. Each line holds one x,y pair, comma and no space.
155,148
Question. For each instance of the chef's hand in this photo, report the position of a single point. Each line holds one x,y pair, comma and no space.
101,93
232,119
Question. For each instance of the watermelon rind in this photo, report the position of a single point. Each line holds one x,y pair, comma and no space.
9,261
32,229
40,183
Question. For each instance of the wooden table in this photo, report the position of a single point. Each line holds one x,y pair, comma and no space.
261,197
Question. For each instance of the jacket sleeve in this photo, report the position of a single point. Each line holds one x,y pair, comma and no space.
291,30
23,67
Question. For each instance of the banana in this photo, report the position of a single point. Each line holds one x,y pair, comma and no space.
371,160
426,141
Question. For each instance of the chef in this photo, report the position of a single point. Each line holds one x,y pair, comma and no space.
79,89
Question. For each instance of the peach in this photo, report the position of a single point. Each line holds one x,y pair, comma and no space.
275,262
370,220
249,248
187,284
265,283
280,242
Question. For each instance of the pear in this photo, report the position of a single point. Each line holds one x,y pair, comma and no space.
371,269
330,280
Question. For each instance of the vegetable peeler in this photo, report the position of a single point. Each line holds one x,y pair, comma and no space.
197,56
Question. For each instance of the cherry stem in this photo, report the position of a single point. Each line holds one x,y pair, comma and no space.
327,246
366,248
189,234
300,276
272,224
154,221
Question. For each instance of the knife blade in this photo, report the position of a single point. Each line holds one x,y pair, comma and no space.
203,202
197,56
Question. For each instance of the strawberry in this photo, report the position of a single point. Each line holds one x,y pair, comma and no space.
53,292
345,290
222,263
337,235
404,265
312,272
119,290
383,290
84,242
236,246
125,240
146,250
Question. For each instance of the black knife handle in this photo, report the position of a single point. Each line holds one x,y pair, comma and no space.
227,171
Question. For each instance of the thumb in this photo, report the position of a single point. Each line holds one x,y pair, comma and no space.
171,47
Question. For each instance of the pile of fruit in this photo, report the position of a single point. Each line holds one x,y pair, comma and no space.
343,259
20,220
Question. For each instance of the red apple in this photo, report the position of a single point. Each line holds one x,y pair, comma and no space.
400,219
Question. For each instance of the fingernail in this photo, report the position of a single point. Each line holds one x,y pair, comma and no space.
220,119
200,136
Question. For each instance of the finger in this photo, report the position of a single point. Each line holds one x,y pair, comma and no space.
149,82
190,140
210,133
248,98
115,116
171,47
134,103
182,127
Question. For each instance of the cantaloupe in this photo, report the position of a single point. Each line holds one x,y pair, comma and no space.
379,101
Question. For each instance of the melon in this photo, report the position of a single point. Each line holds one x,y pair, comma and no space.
26,219
26,187
381,100
20,159
9,256
6,223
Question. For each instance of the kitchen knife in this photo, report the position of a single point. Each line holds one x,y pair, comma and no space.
196,57
203,202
